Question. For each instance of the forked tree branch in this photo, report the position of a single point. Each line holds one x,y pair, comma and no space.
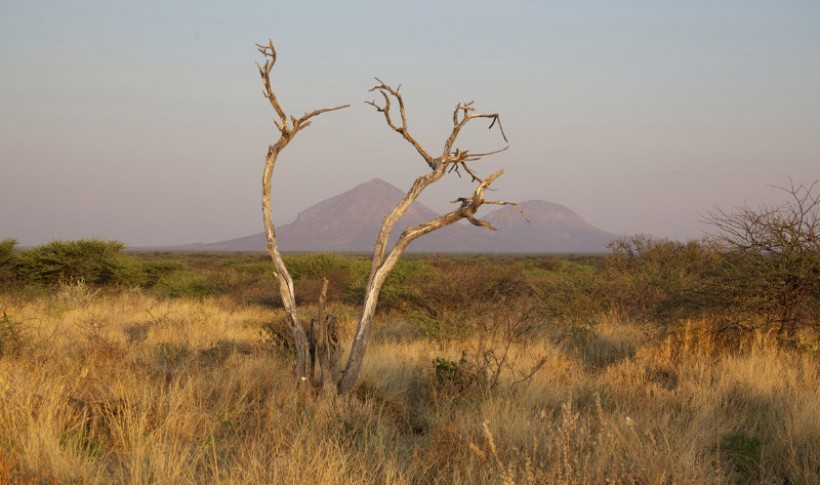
465,110
450,160
287,127
466,210
269,51
387,93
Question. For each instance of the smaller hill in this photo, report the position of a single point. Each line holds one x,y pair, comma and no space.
551,228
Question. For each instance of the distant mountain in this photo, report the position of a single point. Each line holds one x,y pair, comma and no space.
551,228
350,222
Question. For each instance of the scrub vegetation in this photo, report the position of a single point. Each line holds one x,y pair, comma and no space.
660,362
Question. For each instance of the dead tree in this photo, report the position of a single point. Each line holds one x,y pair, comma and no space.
449,159
288,128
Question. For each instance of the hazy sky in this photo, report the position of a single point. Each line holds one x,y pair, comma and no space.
144,121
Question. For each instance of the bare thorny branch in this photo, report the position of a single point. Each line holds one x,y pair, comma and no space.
387,93
795,223
287,127
450,160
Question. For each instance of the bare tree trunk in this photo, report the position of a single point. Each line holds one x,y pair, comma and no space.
323,344
288,128
300,341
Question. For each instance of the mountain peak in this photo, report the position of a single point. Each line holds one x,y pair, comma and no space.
350,222
376,182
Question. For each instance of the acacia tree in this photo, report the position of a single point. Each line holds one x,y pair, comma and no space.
322,343
775,257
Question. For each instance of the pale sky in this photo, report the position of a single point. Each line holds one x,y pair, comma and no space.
143,121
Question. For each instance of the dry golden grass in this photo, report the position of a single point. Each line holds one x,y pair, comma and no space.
133,389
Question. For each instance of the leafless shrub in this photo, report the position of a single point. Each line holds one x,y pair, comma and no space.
92,326
496,337
76,291
496,349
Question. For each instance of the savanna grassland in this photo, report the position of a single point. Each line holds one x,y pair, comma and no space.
657,363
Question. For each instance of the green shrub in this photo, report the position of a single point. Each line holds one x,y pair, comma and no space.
779,292
453,372
660,280
403,288
156,269
127,270
444,323
451,302
309,270
774,252
8,262
13,336
302,266
743,451
183,283
246,282
572,293
95,261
